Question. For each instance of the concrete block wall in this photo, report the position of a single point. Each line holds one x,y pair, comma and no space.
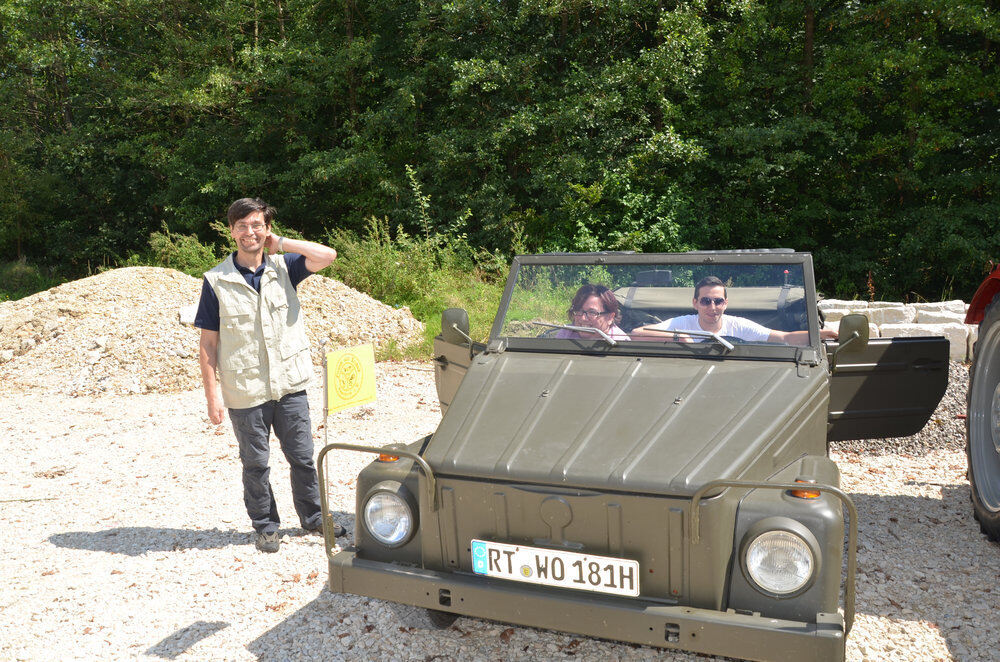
888,319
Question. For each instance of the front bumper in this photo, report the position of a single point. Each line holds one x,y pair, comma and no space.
699,630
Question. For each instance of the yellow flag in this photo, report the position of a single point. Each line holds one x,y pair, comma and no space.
350,377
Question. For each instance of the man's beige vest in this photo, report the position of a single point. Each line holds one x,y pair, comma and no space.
263,349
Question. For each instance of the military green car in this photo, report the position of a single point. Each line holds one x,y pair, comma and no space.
605,468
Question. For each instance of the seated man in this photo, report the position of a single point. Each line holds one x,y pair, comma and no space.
710,301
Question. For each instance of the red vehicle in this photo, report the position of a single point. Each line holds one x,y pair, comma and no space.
983,402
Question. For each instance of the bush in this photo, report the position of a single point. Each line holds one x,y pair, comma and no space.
426,274
183,252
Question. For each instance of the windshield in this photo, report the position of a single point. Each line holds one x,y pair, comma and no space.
628,304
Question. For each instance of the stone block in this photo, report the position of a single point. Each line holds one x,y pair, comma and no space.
957,335
186,314
873,331
954,306
973,337
852,305
938,316
896,313
834,314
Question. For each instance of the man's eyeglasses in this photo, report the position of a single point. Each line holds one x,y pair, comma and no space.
589,314
243,227
707,301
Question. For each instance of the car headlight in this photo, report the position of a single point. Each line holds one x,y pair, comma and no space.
779,562
389,517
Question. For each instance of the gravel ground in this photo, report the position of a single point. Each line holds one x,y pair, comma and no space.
126,538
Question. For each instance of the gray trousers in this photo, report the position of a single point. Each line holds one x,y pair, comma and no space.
289,417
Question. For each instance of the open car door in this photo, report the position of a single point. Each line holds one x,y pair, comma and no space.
453,353
888,390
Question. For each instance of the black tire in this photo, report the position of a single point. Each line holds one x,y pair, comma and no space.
982,423
423,619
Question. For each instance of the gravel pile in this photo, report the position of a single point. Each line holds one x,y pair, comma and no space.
126,536
118,332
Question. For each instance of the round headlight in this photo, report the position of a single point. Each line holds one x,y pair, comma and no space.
388,518
779,562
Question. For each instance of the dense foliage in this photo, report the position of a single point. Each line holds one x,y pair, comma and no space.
867,133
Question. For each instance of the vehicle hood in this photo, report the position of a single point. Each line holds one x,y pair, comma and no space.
652,424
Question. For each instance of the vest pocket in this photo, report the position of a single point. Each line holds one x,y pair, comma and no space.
236,322
240,383
292,343
299,367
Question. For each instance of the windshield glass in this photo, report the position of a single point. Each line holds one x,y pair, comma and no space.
623,304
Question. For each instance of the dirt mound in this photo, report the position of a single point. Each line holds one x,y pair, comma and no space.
119,331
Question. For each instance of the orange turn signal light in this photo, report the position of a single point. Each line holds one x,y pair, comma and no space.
385,457
804,494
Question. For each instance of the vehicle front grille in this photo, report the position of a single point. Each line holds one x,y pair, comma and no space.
647,529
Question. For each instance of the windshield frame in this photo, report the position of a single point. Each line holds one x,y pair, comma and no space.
766,351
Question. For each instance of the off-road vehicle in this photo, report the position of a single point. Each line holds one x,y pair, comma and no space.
672,491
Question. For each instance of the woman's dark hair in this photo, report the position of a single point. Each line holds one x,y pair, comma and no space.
246,206
606,296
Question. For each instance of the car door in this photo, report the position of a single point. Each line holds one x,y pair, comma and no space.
888,390
451,362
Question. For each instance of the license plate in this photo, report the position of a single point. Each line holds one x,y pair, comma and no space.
551,567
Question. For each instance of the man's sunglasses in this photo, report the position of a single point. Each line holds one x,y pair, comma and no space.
705,301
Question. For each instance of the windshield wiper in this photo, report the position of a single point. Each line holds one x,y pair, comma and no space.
702,334
585,329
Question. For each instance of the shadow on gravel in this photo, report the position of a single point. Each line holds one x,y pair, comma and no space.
316,632
924,559
179,642
138,540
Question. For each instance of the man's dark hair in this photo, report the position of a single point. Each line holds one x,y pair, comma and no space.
246,206
710,281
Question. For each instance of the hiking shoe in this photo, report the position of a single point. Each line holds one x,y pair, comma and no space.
338,530
268,542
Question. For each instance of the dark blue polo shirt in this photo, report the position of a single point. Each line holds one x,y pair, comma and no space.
207,316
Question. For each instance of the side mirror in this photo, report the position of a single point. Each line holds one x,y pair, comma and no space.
852,337
455,326
853,334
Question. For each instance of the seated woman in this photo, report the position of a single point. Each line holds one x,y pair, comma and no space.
594,306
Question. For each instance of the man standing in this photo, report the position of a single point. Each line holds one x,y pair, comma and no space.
254,346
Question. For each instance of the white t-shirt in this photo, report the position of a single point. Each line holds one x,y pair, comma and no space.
737,327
